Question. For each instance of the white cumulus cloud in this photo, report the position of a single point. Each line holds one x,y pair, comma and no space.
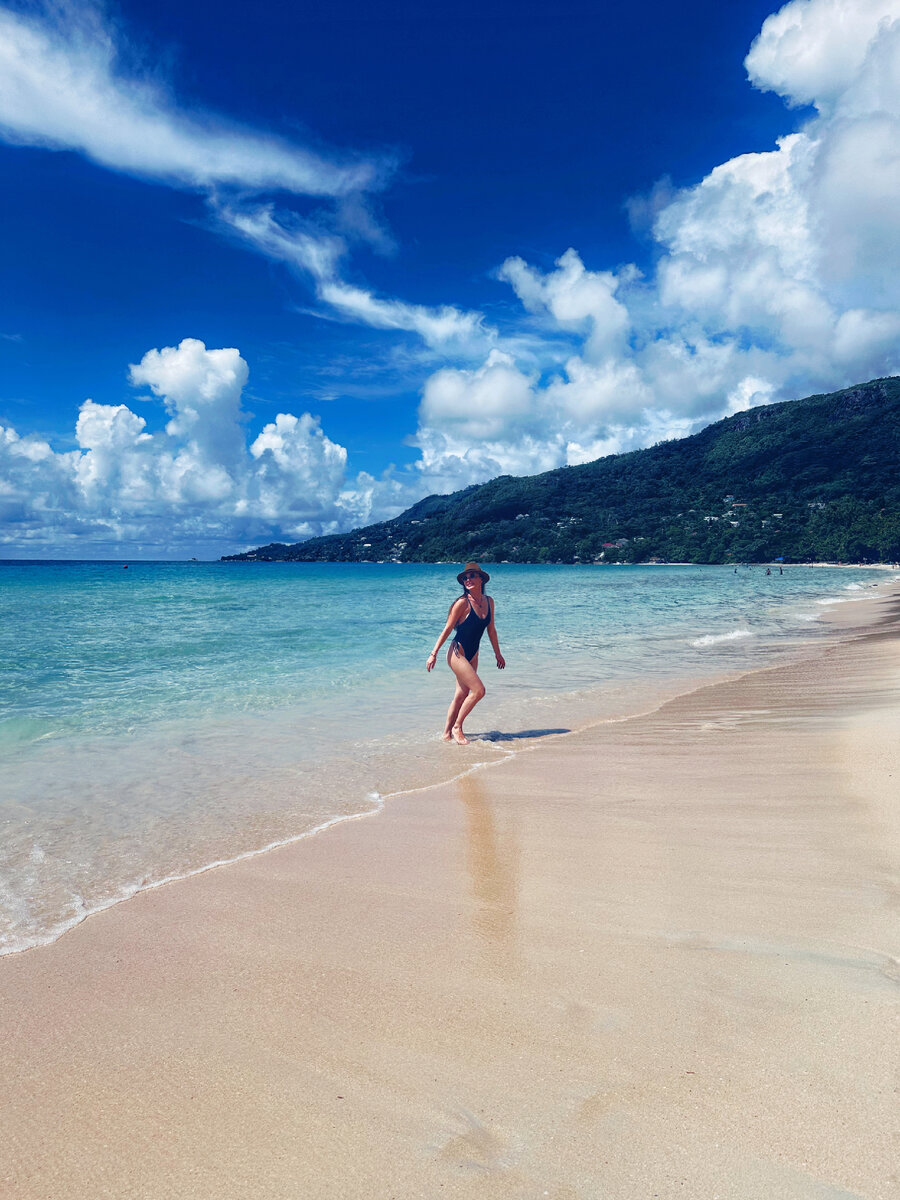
195,484
778,274
814,51
574,298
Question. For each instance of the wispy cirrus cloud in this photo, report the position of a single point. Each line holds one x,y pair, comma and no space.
63,87
318,253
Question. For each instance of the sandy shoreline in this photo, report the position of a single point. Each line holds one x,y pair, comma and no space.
654,958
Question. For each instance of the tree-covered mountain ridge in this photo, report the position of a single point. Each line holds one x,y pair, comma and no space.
816,479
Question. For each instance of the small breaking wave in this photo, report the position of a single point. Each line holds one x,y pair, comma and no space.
713,639
16,941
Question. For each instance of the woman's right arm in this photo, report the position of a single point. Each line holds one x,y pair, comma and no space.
456,613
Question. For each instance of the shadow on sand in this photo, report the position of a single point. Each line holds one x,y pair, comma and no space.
495,735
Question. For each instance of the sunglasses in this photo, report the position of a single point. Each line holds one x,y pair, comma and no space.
471,575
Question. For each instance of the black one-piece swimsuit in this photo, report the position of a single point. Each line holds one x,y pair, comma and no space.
470,631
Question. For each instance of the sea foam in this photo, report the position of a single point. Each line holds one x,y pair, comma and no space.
714,639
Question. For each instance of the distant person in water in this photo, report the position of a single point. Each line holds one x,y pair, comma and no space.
469,616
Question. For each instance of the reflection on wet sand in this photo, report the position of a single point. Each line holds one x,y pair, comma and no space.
493,864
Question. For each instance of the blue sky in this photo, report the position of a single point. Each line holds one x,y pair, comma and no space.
265,275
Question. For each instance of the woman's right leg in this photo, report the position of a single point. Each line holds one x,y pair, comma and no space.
453,711
468,681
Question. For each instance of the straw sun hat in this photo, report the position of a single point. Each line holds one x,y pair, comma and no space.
473,566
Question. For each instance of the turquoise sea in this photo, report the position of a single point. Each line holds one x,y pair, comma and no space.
165,717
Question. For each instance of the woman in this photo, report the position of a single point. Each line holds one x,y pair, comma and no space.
469,616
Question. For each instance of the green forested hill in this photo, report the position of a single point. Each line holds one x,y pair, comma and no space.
812,479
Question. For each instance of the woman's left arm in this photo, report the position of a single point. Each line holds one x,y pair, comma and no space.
492,634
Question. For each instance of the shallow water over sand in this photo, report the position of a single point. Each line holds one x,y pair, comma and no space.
158,720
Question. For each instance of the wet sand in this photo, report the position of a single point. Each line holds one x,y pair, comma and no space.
654,958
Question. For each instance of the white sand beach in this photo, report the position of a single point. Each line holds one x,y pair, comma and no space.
653,958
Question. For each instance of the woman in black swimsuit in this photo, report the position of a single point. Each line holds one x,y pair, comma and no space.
469,616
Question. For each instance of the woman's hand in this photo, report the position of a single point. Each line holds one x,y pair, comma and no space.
501,662
431,660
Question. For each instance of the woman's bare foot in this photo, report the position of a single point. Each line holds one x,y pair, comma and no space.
446,736
459,737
